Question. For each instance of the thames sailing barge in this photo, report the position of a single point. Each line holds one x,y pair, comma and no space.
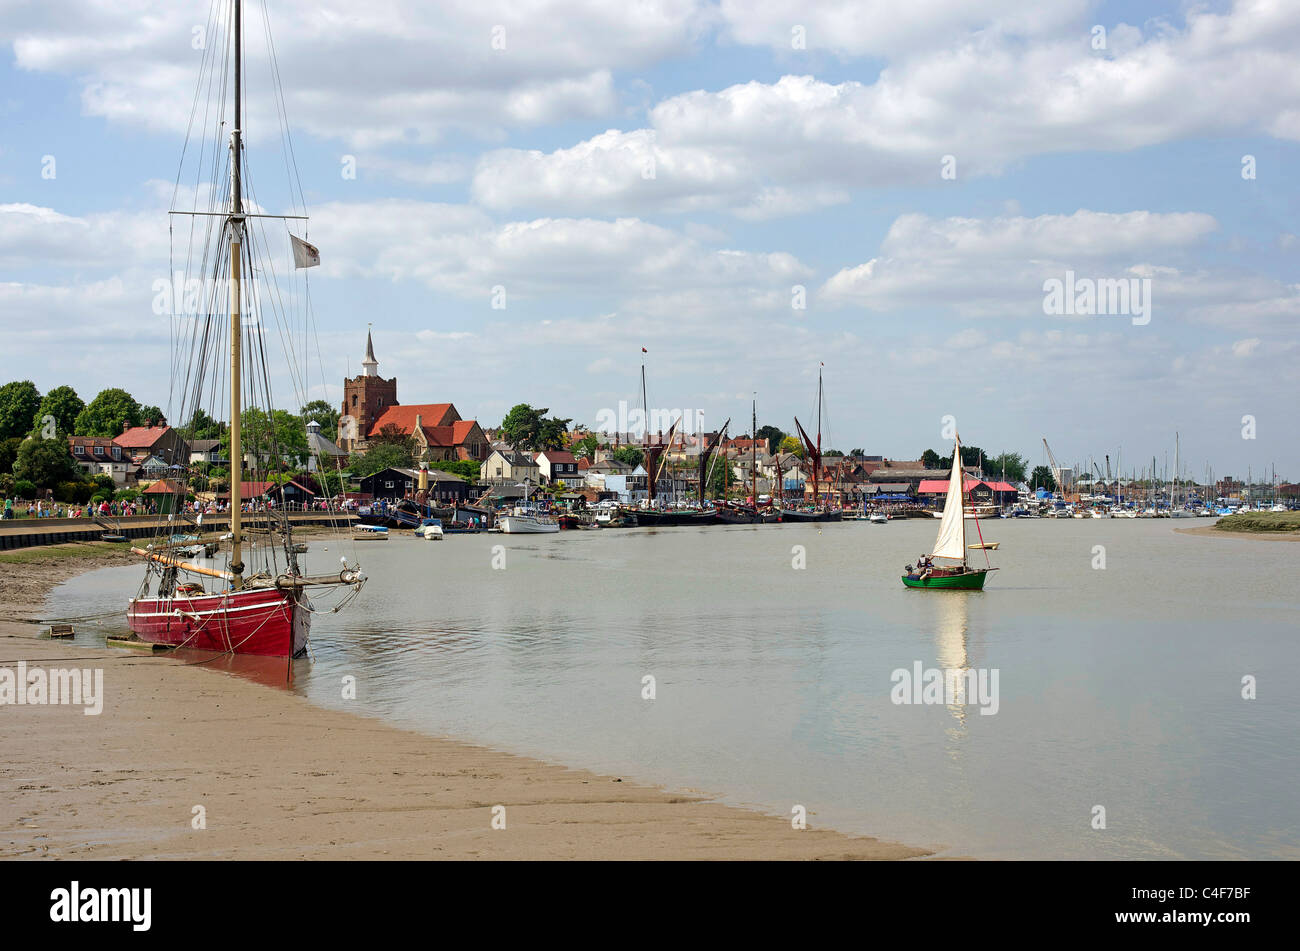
263,607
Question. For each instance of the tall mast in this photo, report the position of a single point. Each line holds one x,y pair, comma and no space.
236,242
960,471
753,454
817,461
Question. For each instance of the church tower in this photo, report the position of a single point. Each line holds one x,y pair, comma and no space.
365,398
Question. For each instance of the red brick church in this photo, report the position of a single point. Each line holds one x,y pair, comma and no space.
370,404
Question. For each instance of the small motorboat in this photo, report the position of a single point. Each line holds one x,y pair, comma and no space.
985,546
430,529
879,518
370,533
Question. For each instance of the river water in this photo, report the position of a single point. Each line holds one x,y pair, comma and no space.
1117,687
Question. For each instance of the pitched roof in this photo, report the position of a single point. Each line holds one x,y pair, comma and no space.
204,445
403,417
141,437
941,485
164,487
557,455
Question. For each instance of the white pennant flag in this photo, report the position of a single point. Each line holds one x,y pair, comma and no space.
304,254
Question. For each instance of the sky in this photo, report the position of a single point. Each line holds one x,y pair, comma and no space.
751,191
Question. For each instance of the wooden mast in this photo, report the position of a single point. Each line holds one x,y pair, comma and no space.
236,242
753,456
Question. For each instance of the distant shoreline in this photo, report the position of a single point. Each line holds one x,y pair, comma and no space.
1222,533
307,782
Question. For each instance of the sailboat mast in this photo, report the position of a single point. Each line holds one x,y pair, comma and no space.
236,236
959,473
753,455
817,460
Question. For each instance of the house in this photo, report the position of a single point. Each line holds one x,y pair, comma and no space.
977,491
99,455
370,405
320,451
140,442
395,484
630,487
508,466
206,451
557,465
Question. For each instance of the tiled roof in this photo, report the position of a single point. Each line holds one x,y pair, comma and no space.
403,417
141,437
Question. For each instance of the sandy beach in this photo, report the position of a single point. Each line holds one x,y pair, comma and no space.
278,778
1210,530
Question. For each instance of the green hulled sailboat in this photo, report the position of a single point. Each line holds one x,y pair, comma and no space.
950,544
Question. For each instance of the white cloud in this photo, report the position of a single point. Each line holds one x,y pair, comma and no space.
989,99
369,73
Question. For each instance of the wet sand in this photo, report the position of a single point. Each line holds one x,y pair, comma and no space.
278,778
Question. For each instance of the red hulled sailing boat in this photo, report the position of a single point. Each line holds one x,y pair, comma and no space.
261,607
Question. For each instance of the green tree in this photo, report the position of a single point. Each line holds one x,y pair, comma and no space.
773,436
1042,476
276,440
152,414
63,405
465,468
45,462
202,426
379,457
110,412
521,426
722,478
831,452
932,460
857,452
392,435
1012,463
9,453
629,456
325,414
586,447
19,402
790,444
527,429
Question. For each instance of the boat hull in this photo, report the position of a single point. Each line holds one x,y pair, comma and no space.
966,581
796,515
649,518
525,525
262,621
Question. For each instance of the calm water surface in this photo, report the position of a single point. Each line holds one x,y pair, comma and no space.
1118,687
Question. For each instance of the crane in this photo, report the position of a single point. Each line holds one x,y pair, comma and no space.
1055,467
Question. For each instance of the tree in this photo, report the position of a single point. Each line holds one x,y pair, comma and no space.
931,459
19,402
790,444
325,414
393,435
202,426
108,414
586,447
45,462
1011,463
1043,476
465,468
63,405
521,426
9,453
773,436
722,478
380,457
629,456
153,415
857,452
553,433
831,452
277,439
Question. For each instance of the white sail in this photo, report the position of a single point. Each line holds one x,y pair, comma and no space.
951,542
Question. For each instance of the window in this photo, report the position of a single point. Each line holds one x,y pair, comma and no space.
117,452
78,450
99,450
354,399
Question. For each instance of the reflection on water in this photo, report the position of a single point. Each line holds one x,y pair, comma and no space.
1117,686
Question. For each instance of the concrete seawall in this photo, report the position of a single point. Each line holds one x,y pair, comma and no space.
27,533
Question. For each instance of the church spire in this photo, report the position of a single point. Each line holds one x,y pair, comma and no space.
370,364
